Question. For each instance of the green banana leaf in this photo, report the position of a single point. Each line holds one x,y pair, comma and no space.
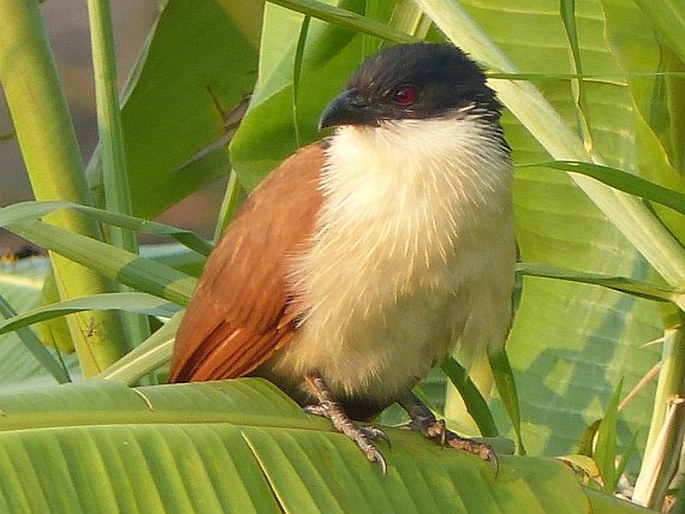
242,446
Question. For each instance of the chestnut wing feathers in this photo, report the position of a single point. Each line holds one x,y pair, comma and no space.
242,310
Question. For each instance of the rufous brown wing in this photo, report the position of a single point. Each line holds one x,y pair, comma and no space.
243,309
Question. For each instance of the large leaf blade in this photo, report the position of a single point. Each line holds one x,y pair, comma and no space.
182,67
239,446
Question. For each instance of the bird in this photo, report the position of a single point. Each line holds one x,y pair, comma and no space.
365,258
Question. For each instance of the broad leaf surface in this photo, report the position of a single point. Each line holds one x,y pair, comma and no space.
198,64
240,446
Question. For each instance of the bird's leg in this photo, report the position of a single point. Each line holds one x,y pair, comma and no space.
423,421
330,407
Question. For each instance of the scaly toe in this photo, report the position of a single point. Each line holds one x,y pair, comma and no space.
482,450
316,409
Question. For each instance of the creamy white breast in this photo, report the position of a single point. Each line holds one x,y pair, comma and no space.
414,248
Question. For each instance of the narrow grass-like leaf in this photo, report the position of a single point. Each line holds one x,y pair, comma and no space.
476,405
605,448
625,457
621,180
345,18
137,272
176,256
568,16
506,387
233,197
54,333
141,303
587,77
622,284
297,71
33,345
34,210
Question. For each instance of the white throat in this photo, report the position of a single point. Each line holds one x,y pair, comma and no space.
455,164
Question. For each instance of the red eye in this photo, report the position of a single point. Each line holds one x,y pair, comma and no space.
404,96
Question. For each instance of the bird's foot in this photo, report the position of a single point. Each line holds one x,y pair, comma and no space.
331,408
439,432
423,421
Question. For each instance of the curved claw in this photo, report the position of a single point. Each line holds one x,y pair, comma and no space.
364,436
376,434
494,461
375,456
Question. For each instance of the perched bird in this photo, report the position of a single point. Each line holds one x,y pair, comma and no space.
360,261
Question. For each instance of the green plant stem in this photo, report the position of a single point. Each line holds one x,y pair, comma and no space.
117,195
50,150
115,174
661,460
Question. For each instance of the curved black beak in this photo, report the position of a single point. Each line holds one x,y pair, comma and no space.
348,108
